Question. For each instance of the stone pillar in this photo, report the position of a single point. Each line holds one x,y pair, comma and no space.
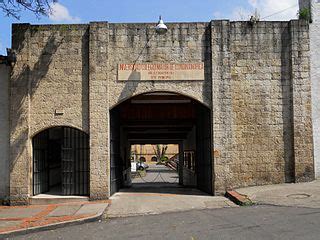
221,102
99,111
301,97
20,146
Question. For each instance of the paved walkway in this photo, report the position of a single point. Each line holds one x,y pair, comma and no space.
295,195
159,192
157,174
28,218
157,199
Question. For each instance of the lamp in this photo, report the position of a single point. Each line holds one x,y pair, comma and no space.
161,28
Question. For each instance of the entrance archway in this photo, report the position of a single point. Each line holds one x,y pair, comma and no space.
162,118
61,162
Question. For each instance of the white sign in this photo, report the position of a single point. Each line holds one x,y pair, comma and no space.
133,166
160,71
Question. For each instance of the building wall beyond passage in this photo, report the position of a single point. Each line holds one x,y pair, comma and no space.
256,83
4,131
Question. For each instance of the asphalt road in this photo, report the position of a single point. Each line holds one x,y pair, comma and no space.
257,222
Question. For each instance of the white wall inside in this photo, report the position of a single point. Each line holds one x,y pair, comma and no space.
315,75
315,78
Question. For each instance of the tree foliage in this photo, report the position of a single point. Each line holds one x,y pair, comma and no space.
13,8
160,152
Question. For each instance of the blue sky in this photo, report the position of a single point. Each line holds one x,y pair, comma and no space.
67,11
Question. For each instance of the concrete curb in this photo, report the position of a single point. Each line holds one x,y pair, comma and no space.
239,199
53,226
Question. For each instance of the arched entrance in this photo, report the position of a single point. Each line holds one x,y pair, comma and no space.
162,118
61,162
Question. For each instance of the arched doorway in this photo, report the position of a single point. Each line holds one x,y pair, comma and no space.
162,118
61,162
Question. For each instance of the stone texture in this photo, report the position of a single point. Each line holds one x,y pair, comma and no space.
20,149
257,84
260,102
301,97
4,130
99,112
138,43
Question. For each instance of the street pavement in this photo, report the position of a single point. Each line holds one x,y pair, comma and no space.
168,211
248,223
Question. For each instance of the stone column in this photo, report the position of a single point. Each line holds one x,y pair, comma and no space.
20,146
99,111
301,95
221,102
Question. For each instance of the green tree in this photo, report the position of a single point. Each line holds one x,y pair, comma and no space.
160,152
13,8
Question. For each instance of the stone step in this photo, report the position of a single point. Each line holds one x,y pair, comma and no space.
44,199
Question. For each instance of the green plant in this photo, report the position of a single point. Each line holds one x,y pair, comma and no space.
305,14
160,152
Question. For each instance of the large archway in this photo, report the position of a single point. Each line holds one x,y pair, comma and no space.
162,118
61,162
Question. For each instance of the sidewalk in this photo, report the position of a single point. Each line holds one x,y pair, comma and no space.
291,194
151,200
24,219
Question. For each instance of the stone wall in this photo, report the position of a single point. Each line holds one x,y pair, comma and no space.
261,103
49,86
315,76
138,43
256,82
4,131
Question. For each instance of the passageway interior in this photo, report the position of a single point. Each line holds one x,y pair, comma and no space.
161,119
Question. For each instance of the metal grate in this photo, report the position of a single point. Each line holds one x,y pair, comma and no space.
74,162
115,159
40,163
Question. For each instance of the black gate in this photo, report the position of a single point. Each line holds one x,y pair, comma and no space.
40,163
74,157
203,154
115,161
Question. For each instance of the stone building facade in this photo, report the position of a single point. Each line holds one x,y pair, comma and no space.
256,86
314,6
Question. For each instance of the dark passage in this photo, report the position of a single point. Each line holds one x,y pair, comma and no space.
162,118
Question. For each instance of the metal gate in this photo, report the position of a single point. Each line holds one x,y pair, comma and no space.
115,160
74,162
204,157
40,163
